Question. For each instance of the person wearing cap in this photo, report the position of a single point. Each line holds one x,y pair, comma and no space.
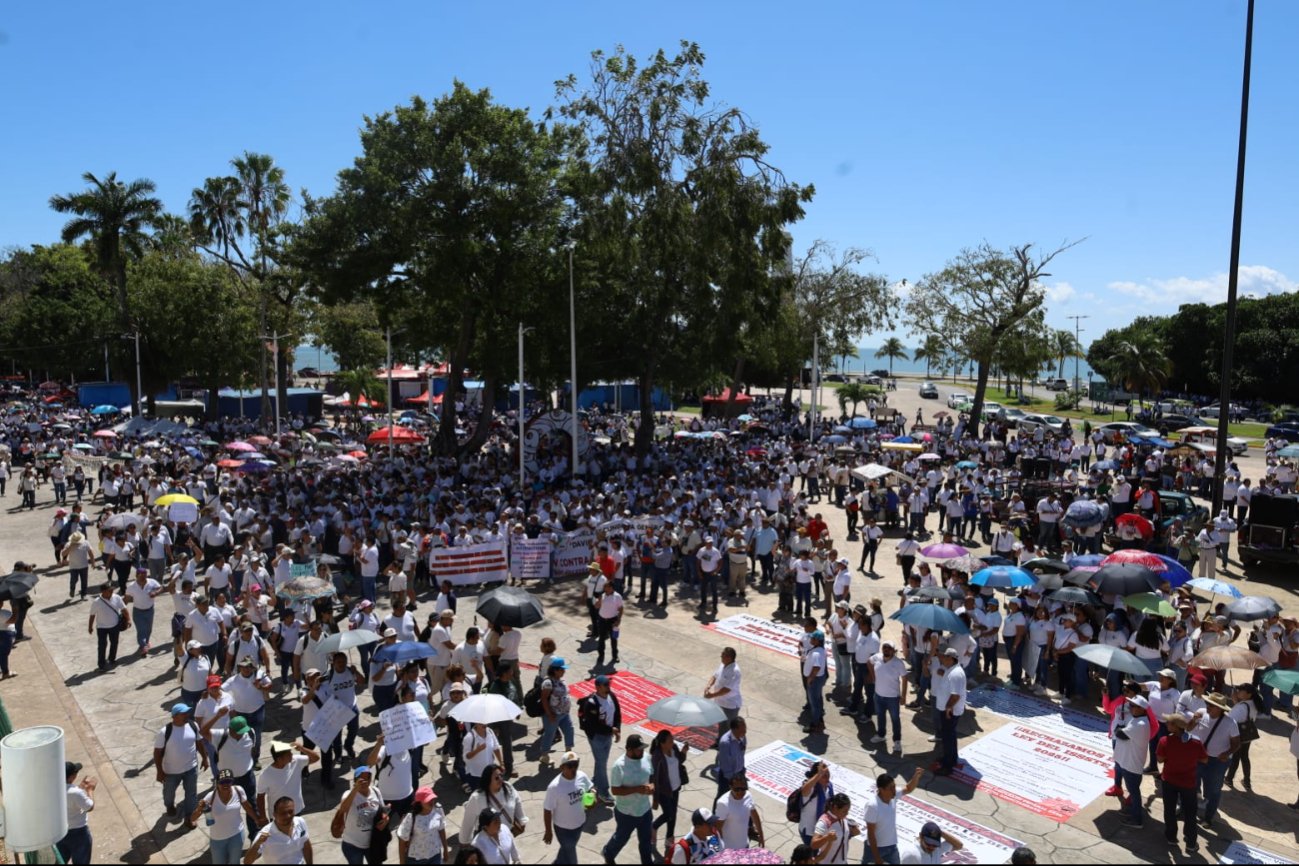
1162,695
1182,756
1131,733
77,845
630,784
141,594
599,715
702,842
932,844
451,748
494,840
1221,737
565,808
245,641
592,590
359,813
205,625
177,758
307,653
226,804
556,708
814,675
284,639
422,835
838,625
949,705
709,559
249,690
229,740
108,611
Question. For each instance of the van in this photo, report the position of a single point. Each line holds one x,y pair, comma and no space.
1056,384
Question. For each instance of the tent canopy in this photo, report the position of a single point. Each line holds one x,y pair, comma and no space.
726,396
876,471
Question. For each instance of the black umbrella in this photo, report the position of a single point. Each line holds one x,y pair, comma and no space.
1079,576
17,585
510,605
1042,565
1252,607
1074,595
937,593
1124,578
993,559
1048,582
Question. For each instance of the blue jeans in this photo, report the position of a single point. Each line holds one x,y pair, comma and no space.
1016,657
75,848
562,723
1211,777
888,854
189,779
843,670
816,699
143,625
369,591
861,673
802,599
567,840
884,708
624,826
228,850
1043,666
690,568
1132,781
1080,671
353,855
601,745
435,860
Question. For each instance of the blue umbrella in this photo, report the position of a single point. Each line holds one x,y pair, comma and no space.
835,439
1106,465
842,428
104,410
1083,513
1175,573
993,559
1086,559
858,423
930,616
1288,452
404,651
1216,587
905,440
1159,442
1002,577
967,464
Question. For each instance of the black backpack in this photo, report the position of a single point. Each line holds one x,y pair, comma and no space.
794,805
532,702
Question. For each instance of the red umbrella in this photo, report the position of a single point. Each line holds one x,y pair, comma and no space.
259,440
398,436
1143,526
357,455
1137,557
230,464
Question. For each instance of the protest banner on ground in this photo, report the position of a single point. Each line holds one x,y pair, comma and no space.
1240,852
777,768
777,636
405,727
635,694
530,558
329,720
1042,714
1049,775
573,553
474,563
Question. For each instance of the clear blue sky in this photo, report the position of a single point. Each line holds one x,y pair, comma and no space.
924,126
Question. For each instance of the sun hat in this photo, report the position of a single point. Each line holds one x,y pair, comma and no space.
1218,701
1139,702
389,632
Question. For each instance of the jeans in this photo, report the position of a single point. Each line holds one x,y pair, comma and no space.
143,625
228,850
435,860
352,854
6,646
256,720
188,779
601,745
370,593
842,670
947,735
816,699
624,826
860,684
1132,781
76,847
1016,656
802,599
1064,670
75,575
107,646
567,840
668,815
888,854
1211,777
660,582
690,568
562,723
707,584
604,632
768,564
1174,797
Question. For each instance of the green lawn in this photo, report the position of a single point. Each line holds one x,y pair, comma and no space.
1046,405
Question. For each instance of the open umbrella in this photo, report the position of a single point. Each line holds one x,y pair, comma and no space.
17,585
1043,565
346,640
904,440
260,440
510,605
835,439
1215,587
305,589
1049,582
1136,557
1251,607
1124,579
104,434
967,464
1086,559
230,464
685,711
1285,681
240,446
1083,513
104,410
1229,657
937,593
930,616
1081,575
1143,526
968,564
1112,658
486,710
1073,595
404,651
994,559
1105,465
1002,577
1289,452
930,456
858,423
1148,602
172,498
943,551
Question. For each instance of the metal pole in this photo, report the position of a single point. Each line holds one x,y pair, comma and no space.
108,376
139,387
816,384
521,412
388,335
572,354
1229,334
1077,338
275,359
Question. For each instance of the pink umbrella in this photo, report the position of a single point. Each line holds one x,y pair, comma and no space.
1137,557
105,434
927,437
943,551
240,446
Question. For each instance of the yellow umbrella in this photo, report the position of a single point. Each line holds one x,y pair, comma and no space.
903,446
173,498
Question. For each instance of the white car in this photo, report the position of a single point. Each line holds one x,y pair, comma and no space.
1118,432
959,401
990,409
1029,423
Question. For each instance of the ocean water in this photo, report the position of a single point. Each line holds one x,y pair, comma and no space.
309,356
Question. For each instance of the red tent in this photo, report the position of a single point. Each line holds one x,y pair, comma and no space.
362,402
726,395
719,404
422,400
400,436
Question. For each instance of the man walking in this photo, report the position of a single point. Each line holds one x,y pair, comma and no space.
141,594
630,784
599,715
608,623
731,751
77,846
177,758
1131,744
954,689
109,613
565,808
890,693
1182,756
723,689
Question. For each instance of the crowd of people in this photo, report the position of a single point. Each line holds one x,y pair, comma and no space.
741,512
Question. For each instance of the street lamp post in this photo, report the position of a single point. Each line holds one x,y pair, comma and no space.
275,360
572,356
522,412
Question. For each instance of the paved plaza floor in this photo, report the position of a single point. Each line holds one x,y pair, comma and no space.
111,719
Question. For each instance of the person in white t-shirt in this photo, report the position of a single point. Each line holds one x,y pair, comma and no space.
735,812
284,840
932,844
881,817
723,688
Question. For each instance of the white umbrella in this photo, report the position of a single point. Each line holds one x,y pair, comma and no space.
486,710
346,640
686,711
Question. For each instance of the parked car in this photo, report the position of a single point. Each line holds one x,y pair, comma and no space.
1118,432
1010,416
929,391
1287,430
1029,423
1209,436
1056,384
956,399
1211,411
990,409
883,374
1168,423
834,377
309,373
1174,505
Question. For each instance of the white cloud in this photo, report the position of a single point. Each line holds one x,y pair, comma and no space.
1060,293
1254,280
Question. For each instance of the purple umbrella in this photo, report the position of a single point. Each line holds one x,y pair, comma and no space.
943,551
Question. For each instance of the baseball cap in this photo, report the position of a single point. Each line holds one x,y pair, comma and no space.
193,645
246,626
213,682
181,709
558,663
239,725
312,672
602,680
930,834
701,816
635,742
71,768
817,635
569,758
389,632
456,687
425,795
951,652
363,770
1168,672
366,604
1139,702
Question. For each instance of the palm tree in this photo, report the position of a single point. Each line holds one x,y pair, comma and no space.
1064,345
853,392
932,351
216,218
114,215
891,349
1140,364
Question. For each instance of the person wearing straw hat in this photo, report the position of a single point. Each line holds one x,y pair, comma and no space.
1181,756
1221,737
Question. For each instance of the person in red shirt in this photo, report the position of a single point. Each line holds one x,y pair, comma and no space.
1180,754
815,527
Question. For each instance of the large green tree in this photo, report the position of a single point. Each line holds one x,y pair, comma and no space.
682,220
54,306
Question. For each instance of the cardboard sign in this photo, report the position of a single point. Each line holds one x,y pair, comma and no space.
328,722
406,727
530,558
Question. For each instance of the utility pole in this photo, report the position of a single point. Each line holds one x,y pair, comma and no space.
572,360
275,359
139,387
1077,338
522,412
1229,335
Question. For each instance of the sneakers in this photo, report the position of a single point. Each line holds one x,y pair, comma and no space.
932,738
897,747
877,739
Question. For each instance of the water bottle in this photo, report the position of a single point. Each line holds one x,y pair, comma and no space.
588,798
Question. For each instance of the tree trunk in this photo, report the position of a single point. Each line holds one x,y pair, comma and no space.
445,443
645,430
282,365
980,388
735,386
485,411
787,404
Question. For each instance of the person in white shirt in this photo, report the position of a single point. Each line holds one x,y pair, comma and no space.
176,759
833,830
141,593
723,689
932,844
440,638
890,675
736,813
1131,751
422,836
1014,632
77,846
108,611
881,817
565,806
284,840
950,708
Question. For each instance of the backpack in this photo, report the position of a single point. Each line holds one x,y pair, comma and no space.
166,735
532,702
794,806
